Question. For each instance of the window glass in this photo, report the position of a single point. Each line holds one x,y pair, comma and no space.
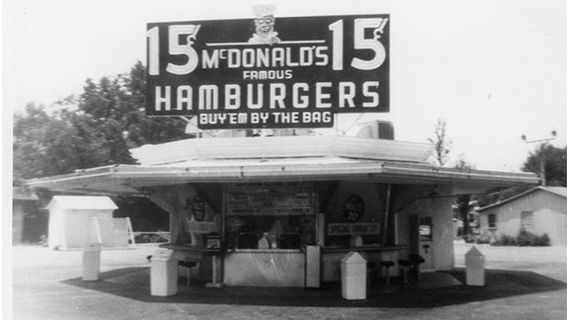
425,228
492,221
269,215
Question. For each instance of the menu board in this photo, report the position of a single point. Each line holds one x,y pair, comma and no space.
270,199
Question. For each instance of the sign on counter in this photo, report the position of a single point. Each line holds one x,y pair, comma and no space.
341,229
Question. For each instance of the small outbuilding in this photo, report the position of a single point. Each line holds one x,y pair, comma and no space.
539,210
76,219
29,223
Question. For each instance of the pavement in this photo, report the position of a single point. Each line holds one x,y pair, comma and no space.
548,261
521,283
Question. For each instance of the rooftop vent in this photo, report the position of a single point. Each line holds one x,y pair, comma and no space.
376,130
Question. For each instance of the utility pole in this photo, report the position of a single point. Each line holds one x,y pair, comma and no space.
542,157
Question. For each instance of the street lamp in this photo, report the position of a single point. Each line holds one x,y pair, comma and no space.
542,155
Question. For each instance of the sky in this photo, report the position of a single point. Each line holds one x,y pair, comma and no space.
492,69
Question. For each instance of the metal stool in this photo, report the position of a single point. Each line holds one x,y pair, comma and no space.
415,261
187,265
404,264
386,265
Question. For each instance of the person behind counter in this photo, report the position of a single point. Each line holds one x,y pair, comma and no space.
280,236
268,241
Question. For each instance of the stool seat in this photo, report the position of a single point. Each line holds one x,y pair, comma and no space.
387,263
404,266
188,265
415,259
404,263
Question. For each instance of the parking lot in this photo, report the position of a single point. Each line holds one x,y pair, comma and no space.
522,283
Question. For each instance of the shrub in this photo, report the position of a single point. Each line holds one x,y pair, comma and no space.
525,238
483,239
543,240
505,240
468,238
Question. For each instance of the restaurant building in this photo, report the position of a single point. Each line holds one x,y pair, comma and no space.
283,211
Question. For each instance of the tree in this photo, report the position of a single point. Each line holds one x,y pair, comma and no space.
95,129
461,163
463,201
117,106
554,160
441,143
463,207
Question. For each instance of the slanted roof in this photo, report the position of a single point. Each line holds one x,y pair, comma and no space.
82,203
559,191
274,159
19,195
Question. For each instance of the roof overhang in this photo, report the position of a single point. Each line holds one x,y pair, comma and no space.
136,179
280,147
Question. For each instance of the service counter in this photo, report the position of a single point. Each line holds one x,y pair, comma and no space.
270,267
268,232
279,267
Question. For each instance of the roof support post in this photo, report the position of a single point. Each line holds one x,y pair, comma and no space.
387,212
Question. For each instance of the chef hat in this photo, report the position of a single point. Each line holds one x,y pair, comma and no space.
263,10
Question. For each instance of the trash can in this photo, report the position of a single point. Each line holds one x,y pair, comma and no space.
163,273
91,261
474,268
354,277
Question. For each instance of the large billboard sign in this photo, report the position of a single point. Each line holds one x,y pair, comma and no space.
268,72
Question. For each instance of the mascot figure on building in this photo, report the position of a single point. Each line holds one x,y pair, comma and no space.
264,23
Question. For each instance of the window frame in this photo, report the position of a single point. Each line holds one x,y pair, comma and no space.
492,224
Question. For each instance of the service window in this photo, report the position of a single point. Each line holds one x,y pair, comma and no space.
425,228
269,215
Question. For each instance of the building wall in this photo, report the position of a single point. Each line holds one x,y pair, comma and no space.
440,209
29,223
69,229
373,197
17,222
407,200
281,268
174,200
55,233
549,215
